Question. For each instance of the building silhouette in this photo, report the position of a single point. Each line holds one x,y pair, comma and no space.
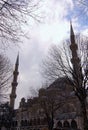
31,116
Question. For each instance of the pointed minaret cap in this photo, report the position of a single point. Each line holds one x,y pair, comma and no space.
73,45
71,29
17,60
17,63
72,37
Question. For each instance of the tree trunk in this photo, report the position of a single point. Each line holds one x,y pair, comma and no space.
84,114
50,124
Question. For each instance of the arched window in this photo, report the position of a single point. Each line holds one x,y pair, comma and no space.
59,124
45,120
22,123
16,123
31,122
66,124
38,121
12,123
73,124
34,121
28,123
41,121
25,122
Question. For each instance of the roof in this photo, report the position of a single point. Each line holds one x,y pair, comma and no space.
66,116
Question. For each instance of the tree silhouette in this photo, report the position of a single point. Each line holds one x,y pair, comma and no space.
13,16
71,61
5,77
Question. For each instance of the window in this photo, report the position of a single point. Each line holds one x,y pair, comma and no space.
73,124
66,124
59,124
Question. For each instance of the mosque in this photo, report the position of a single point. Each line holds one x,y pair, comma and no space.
31,114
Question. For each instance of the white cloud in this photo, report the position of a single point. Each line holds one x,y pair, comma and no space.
53,30
84,32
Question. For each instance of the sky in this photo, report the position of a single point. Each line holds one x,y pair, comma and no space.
53,29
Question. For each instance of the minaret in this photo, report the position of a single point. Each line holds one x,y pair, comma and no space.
14,84
73,47
75,60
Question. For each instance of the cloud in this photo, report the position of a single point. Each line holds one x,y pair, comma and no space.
53,29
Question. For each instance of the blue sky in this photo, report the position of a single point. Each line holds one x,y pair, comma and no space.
54,28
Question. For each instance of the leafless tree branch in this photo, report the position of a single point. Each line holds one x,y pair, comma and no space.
13,15
5,77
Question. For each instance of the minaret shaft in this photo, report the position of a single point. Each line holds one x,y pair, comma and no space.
14,84
76,62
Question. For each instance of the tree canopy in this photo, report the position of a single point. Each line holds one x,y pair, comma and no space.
5,77
70,61
13,16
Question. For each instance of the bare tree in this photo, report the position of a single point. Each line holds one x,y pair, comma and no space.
83,4
13,16
5,77
71,61
6,115
49,102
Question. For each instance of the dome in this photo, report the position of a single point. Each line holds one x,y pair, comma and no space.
59,83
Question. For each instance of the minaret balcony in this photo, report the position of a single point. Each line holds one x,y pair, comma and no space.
14,84
12,96
15,73
73,46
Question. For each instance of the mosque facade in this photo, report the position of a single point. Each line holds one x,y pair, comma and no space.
31,116
65,106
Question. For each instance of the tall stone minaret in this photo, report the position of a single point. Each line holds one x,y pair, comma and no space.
14,84
75,60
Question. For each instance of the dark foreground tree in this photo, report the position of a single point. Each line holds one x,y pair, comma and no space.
5,77
6,115
71,61
13,17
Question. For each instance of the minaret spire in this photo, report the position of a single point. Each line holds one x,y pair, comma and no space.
73,46
17,63
72,36
14,83
75,59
